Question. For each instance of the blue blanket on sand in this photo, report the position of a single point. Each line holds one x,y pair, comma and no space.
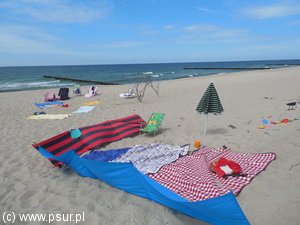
46,105
223,210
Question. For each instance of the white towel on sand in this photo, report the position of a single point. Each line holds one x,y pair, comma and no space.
84,109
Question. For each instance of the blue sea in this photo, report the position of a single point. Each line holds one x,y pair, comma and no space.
31,77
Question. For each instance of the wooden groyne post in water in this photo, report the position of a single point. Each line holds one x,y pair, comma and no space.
80,80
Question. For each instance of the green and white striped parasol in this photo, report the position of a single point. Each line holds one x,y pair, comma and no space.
210,103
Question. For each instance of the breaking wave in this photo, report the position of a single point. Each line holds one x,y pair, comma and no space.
30,85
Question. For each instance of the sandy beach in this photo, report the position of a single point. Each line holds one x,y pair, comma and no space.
30,184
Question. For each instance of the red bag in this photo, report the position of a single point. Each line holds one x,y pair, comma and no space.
224,167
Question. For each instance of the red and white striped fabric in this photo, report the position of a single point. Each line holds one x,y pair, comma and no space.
93,136
191,177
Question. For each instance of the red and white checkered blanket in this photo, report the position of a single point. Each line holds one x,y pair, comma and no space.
191,177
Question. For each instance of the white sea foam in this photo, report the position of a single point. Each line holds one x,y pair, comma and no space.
28,85
148,73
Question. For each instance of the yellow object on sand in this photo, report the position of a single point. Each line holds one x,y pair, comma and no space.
90,103
48,117
261,127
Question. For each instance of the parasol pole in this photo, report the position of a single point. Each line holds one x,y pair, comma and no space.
205,124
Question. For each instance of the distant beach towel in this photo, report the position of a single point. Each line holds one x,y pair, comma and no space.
48,117
45,105
90,103
84,109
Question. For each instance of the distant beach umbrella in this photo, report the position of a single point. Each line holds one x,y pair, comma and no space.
210,103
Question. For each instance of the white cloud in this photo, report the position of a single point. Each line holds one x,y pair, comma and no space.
206,10
150,32
124,44
21,39
59,11
146,29
198,28
206,33
272,11
24,39
169,27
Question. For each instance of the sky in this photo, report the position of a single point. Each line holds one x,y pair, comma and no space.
85,32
